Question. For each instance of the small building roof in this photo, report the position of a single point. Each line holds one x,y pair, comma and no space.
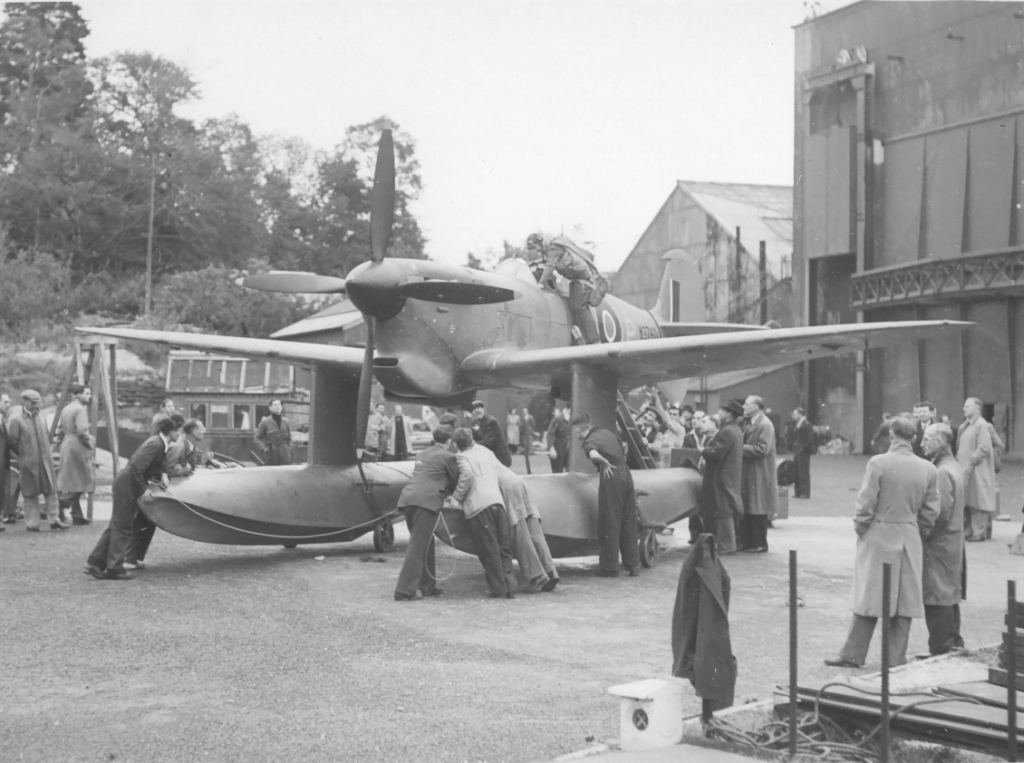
343,315
761,212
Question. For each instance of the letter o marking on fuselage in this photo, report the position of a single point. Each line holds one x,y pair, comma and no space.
610,331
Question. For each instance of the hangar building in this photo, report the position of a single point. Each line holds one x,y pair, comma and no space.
909,165
720,253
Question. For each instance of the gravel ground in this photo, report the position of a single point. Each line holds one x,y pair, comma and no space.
263,654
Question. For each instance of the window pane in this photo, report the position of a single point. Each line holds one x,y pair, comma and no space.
218,416
241,419
197,411
262,411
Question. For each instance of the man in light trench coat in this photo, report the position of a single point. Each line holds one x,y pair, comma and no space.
897,504
974,453
944,546
760,479
77,454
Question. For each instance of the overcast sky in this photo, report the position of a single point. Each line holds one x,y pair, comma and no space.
555,115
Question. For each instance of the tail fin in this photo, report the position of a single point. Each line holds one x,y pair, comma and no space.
681,298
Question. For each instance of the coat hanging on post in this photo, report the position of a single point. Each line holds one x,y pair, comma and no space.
701,650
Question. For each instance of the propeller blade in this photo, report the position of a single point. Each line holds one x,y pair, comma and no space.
292,282
456,292
365,387
382,198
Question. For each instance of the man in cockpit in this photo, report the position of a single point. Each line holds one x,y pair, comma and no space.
587,286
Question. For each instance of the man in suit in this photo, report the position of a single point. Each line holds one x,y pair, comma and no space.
802,445
558,438
487,431
106,562
181,459
28,438
942,583
616,498
274,436
898,503
721,496
434,477
924,414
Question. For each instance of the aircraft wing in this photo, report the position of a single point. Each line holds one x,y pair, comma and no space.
348,359
654,360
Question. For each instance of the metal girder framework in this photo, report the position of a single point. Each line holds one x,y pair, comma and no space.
939,280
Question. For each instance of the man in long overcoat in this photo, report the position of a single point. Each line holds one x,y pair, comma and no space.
274,436
944,546
760,478
897,504
616,498
802,445
721,505
29,439
77,454
974,454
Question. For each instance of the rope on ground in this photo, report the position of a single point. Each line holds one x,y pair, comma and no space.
818,736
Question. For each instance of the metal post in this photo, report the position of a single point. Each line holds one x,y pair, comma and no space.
1011,670
883,756
762,266
792,654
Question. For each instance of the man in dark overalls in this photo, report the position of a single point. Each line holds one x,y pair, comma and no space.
616,499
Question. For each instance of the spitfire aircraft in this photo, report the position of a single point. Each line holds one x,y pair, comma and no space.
437,333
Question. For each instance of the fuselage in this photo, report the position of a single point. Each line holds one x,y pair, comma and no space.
421,345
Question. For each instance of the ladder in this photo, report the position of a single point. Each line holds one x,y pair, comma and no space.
640,456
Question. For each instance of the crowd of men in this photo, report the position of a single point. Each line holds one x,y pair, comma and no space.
51,487
735,451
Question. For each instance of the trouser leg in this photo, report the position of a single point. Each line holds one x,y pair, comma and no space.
121,535
32,511
504,533
941,633
142,532
50,502
485,544
803,474
725,535
98,557
540,544
978,528
958,639
858,640
417,569
696,526
526,553
629,534
758,531
899,637
609,527
76,507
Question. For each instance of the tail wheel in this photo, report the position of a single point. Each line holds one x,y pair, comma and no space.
649,548
384,537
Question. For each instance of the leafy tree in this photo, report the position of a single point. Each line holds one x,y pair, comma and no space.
138,95
210,300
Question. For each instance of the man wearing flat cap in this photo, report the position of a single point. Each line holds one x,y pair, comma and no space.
27,436
487,432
